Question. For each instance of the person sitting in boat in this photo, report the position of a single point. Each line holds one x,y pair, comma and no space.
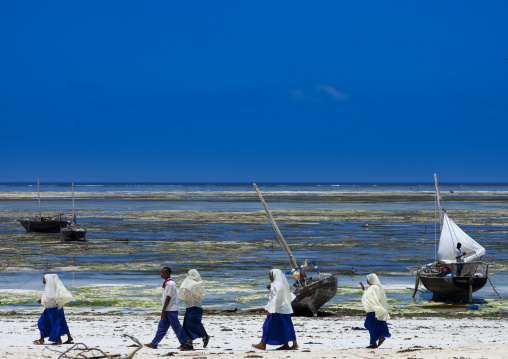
445,271
459,254
278,327
375,304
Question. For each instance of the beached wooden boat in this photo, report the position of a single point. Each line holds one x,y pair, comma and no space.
311,293
449,277
43,224
72,232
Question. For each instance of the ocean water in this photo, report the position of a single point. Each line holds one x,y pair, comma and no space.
134,229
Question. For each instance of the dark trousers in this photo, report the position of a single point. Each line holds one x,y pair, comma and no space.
192,323
52,324
173,322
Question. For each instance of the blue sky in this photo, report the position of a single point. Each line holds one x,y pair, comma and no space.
253,91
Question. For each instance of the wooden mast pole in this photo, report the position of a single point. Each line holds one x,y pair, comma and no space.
73,216
39,198
276,229
439,199
438,202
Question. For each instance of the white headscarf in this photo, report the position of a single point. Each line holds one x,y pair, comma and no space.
55,294
280,294
65,295
374,299
50,295
192,288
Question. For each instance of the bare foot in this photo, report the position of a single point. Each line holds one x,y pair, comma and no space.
381,340
294,347
149,346
372,346
258,346
284,347
39,341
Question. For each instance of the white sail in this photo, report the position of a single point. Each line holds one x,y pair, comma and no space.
451,234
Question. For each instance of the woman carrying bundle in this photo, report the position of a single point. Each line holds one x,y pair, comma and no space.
52,322
192,291
278,327
376,306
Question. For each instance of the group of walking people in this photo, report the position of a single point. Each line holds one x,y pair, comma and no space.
277,329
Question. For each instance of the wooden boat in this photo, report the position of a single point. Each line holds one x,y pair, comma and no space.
441,277
311,293
43,224
71,232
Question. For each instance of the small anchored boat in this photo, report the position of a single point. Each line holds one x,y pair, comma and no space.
311,293
452,276
43,224
72,232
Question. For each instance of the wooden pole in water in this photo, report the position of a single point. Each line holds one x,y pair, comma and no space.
417,282
493,287
276,229
419,260
487,274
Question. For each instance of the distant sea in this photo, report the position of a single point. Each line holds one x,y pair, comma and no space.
220,186
220,229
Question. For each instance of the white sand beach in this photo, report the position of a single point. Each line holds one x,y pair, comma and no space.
232,335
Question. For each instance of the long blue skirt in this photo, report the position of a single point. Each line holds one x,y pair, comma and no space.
52,324
192,323
377,329
278,329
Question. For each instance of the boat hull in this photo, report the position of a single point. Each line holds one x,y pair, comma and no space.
73,233
453,287
46,225
314,295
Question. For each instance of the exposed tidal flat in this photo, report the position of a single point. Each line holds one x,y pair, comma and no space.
224,233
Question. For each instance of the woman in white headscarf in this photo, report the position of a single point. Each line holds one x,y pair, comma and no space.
278,327
52,322
375,304
192,291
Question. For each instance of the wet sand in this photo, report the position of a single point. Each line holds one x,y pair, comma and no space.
231,336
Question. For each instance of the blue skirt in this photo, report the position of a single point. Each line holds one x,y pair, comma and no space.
52,324
377,328
278,329
192,323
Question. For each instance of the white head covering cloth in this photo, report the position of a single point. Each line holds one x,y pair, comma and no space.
55,294
50,295
192,288
280,294
374,299
65,295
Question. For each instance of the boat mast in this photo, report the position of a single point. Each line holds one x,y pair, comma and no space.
438,201
39,198
276,229
73,216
